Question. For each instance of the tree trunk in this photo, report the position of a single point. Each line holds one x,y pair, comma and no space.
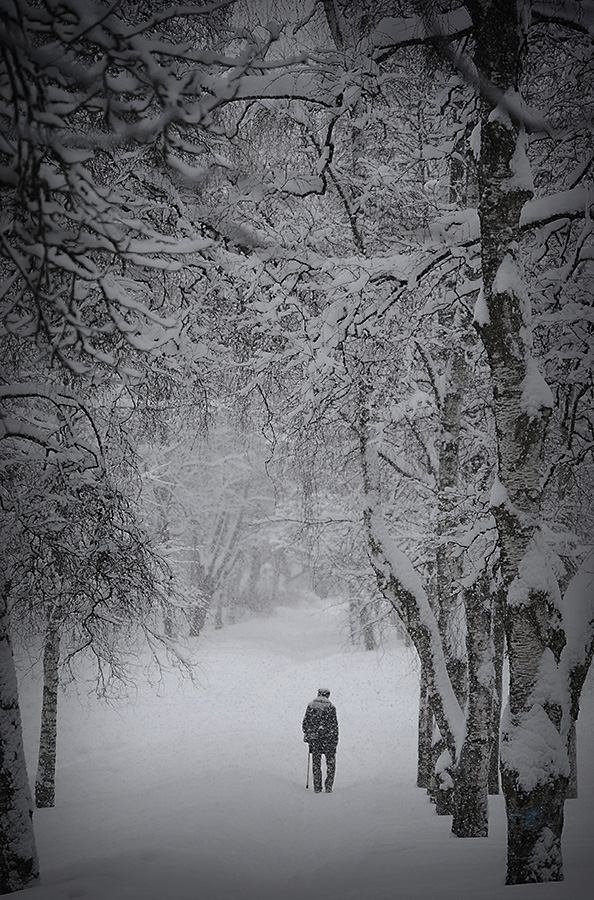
45,780
498,652
198,617
449,557
18,855
444,786
219,613
572,785
354,619
534,827
425,733
201,600
369,641
471,808
205,587
522,405
441,783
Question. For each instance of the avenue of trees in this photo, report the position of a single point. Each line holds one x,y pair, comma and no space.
302,294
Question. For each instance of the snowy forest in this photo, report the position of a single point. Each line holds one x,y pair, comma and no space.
297,299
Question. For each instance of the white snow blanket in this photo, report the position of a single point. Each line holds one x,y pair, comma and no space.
198,792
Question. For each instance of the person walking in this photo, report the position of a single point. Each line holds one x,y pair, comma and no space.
320,731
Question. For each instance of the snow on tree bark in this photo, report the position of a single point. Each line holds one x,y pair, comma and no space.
401,586
534,790
18,855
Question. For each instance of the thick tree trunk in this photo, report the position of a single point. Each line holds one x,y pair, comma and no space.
18,855
535,824
45,780
522,402
471,808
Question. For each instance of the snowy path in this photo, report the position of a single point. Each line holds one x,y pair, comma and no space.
199,793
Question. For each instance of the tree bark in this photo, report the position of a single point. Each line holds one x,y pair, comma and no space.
471,809
449,557
445,786
19,867
425,733
535,825
498,655
45,780
522,405
572,786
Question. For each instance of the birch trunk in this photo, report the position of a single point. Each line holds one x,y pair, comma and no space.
444,786
45,780
471,809
572,786
534,803
18,855
401,587
498,651
425,733
449,557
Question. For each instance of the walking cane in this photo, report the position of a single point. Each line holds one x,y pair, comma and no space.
308,761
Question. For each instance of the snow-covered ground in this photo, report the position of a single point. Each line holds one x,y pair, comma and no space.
198,793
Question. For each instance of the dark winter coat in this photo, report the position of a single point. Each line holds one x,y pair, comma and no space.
320,726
